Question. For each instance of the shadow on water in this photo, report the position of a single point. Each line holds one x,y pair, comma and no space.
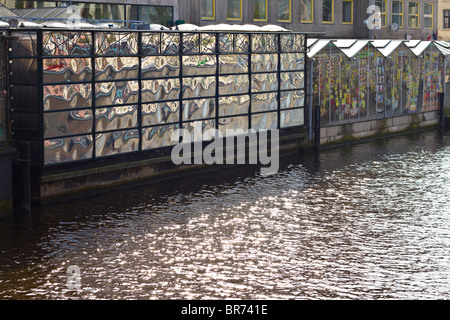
145,225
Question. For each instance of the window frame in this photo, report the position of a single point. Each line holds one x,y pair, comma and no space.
290,14
213,11
265,11
351,21
448,18
240,12
312,13
383,13
332,12
429,16
398,14
417,15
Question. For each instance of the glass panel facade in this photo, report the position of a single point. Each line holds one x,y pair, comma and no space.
138,87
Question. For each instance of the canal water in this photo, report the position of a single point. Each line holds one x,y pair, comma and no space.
365,221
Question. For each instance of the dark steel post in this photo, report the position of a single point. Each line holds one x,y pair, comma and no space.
24,164
40,69
442,110
316,128
180,77
249,65
216,100
93,49
279,80
140,55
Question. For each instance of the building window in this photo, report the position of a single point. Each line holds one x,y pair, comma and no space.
234,9
284,10
347,11
327,11
106,11
306,13
153,14
382,5
413,15
446,19
397,13
428,15
260,10
208,9
28,4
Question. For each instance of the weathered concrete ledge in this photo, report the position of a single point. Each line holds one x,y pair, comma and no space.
342,133
76,183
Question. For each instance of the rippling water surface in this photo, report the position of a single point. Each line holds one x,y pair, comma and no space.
368,221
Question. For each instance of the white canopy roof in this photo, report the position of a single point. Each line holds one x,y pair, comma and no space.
350,47
386,48
317,47
418,47
444,47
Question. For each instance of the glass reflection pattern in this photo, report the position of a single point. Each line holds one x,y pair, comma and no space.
67,96
60,150
160,66
66,43
231,124
197,65
234,105
116,142
233,63
116,68
157,113
158,136
199,109
160,90
112,92
64,123
66,70
199,87
114,118
117,43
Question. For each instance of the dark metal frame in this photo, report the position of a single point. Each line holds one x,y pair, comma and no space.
275,43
